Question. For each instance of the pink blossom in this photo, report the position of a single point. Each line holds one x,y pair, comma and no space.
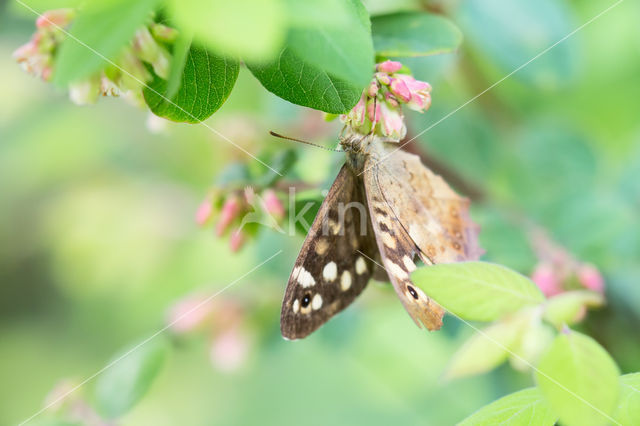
392,122
358,113
389,66
383,78
228,214
189,313
373,89
237,240
203,214
55,18
413,84
373,114
400,89
391,100
545,278
229,350
590,277
272,204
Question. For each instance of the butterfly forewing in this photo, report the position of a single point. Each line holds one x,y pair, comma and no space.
334,264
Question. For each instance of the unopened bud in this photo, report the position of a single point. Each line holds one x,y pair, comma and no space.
228,214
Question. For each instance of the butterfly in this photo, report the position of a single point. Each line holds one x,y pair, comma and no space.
384,210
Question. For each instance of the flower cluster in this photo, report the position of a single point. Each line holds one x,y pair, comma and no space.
36,56
225,320
380,106
125,78
558,271
240,211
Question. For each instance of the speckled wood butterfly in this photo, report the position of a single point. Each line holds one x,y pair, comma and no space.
384,208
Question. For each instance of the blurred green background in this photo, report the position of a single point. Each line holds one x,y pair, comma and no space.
98,236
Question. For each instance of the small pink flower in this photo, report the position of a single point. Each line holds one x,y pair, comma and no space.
400,89
358,113
272,204
391,100
237,240
413,84
189,313
372,91
55,18
389,66
392,122
228,214
373,114
545,278
203,214
229,350
590,277
383,78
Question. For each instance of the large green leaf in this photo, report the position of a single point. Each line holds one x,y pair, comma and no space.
344,51
488,348
251,29
477,291
522,408
579,379
131,373
296,81
628,411
100,31
206,83
410,34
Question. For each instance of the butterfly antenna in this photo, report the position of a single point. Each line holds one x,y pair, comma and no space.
278,135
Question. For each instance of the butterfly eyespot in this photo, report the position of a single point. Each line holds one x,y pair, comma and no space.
413,292
306,300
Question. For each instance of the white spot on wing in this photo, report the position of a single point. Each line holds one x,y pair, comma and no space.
361,266
296,306
316,302
396,270
345,280
388,240
305,279
408,264
330,271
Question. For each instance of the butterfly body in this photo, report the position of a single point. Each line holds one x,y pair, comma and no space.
384,210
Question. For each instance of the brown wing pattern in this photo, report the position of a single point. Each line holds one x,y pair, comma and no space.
435,217
330,272
398,251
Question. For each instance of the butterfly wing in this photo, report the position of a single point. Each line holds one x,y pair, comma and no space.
435,217
414,212
331,270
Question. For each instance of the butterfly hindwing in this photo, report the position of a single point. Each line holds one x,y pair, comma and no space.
331,270
397,251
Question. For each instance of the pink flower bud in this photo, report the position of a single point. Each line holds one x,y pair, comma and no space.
189,313
272,204
545,278
203,214
55,18
229,212
24,52
383,78
392,122
373,114
237,240
413,84
391,100
372,91
229,350
389,66
590,277
400,89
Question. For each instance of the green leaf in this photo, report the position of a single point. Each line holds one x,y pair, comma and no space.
131,373
251,29
101,30
207,81
628,411
290,78
579,380
345,52
411,34
477,291
565,308
179,55
487,348
522,408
